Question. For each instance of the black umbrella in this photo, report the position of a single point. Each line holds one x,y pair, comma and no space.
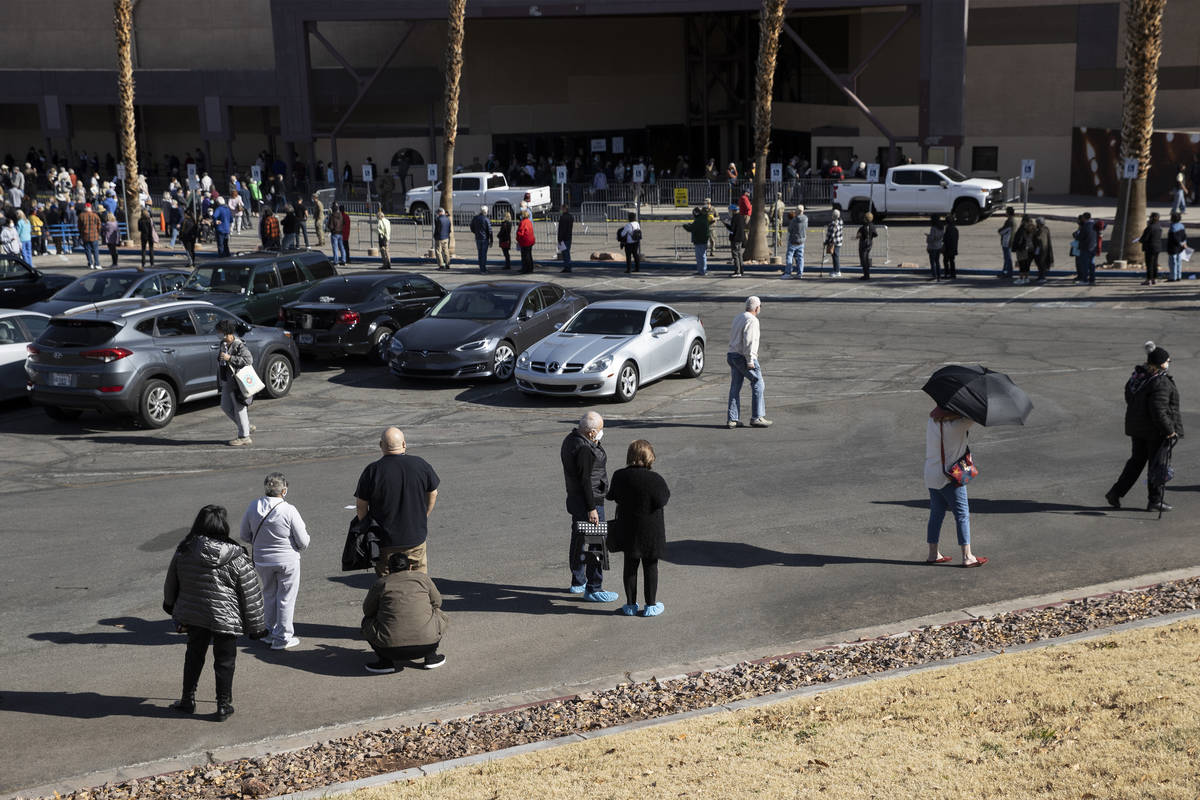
979,394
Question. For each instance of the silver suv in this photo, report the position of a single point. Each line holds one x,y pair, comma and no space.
143,357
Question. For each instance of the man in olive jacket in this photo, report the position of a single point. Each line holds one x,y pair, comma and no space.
403,618
700,228
1152,420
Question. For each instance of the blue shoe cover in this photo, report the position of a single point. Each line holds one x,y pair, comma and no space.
577,589
630,609
600,597
653,611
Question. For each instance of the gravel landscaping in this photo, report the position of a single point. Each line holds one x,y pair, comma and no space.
374,752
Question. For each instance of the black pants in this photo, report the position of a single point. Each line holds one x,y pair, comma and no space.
507,257
112,251
1143,452
948,263
649,578
410,653
147,244
224,646
864,261
633,258
1151,266
527,259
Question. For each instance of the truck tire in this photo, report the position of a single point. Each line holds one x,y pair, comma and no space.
966,212
858,211
420,212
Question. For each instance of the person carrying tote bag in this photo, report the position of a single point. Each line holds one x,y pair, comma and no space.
233,356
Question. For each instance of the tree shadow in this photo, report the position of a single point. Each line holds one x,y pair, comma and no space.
127,630
480,596
87,705
1010,506
739,555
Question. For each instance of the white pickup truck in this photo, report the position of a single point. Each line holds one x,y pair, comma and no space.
475,189
920,190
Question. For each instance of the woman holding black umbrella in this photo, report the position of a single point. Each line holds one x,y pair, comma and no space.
945,443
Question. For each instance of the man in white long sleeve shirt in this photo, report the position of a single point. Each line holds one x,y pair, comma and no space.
277,536
743,364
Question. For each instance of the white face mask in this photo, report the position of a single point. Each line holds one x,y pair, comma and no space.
599,436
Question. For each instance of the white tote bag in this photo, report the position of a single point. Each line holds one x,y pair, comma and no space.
248,381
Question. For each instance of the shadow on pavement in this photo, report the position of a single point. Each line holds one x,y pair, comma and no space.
738,555
88,705
320,659
478,596
985,506
128,630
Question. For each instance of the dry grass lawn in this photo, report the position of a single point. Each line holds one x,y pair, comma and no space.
1116,717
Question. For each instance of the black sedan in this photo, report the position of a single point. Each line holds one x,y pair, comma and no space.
22,284
357,314
98,286
478,329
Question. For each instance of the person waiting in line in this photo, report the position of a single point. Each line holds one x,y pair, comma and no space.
277,536
950,248
110,231
934,242
504,239
1043,251
403,618
1151,242
834,234
148,236
640,495
1024,247
866,240
526,240
736,225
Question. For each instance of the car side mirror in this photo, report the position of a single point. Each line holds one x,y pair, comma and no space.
523,316
557,325
659,331
944,184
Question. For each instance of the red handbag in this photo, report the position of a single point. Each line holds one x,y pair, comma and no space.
962,471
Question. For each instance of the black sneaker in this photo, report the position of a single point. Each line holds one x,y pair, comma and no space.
1159,507
434,660
381,667
1112,499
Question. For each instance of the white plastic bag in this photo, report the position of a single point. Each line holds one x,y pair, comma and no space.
248,381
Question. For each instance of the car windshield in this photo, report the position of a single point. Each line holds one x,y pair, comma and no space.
608,321
220,278
94,288
479,303
338,291
77,333
953,174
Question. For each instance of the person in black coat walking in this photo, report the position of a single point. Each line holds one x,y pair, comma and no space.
640,495
1152,420
1151,242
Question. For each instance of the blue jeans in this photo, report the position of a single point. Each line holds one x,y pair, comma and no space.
481,247
565,255
339,251
739,371
223,244
1085,267
586,571
795,254
92,251
1174,266
702,258
836,255
1008,263
27,251
174,235
953,498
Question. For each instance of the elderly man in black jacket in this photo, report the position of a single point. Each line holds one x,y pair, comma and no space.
1152,419
585,467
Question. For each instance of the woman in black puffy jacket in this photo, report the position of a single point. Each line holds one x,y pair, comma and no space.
641,494
212,592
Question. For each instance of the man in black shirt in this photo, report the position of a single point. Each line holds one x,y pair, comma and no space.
397,493
585,467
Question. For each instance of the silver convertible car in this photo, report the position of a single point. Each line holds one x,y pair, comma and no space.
612,348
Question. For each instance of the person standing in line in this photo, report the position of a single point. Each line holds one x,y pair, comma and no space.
1151,242
174,221
395,496
336,240
834,234
39,230
710,212
1086,242
111,232
797,236
1024,246
1176,244
147,236
89,236
1152,420
481,226
1006,232
290,227
945,443
24,235
1179,194
934,242
403,618
866,239
441,239
223,220
318,219
504,238
743,364
736,225
630,237
699,228
268,229
383,229
640,495
237,208
950,248
212,593
566,228
585,469
277,536
345,232
1043,251
526,240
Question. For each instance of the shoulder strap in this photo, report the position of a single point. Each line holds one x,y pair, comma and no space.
941,442
254,535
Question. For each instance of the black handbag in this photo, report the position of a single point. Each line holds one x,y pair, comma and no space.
361,550
587,535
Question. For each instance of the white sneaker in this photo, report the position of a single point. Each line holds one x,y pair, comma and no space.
835,274
241,441
288,645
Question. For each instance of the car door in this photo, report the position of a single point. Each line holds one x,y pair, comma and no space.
19,285
936,192
190,356
205,320
293,279
904,191
266,294
149,287
468,194
402,304
666,342
13,341
530,321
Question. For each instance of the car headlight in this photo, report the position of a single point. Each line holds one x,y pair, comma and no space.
396,347
479,344
599,365
523,359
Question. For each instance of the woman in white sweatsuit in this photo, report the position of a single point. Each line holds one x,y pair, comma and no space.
277,535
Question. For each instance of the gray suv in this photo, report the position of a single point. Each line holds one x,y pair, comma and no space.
143,357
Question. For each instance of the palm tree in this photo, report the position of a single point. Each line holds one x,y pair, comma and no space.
1143,47
455,30
770,23
123,25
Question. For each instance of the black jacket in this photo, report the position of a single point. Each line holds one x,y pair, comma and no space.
566,226
1151,405
737,229
640,495
585,467
1151,240
950,240
212,584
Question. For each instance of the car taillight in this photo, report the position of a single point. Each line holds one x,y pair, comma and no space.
33,351
111,389
348,317
107,354
282,316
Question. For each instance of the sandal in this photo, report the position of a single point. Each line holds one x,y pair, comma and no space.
978,562
941,560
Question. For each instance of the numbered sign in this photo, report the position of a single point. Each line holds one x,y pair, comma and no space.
1027,166
777,173
191,172
431,172
120,172
599,145
368,172
618,144
1131,169
639,173
560,174
193,183
256,174
872,173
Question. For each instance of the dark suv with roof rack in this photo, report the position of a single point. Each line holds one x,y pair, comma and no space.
254,285
144,357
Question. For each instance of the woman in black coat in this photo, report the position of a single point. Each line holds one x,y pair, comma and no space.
950,248
1151,241
640,495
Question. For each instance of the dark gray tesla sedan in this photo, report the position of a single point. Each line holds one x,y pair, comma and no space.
478,329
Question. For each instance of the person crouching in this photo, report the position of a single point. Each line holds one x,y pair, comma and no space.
403,618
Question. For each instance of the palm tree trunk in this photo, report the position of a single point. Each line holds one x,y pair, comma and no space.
455,30
123,25
770,24
1143,47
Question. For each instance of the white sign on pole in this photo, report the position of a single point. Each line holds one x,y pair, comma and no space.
777,173
1027,165
560,174
618,144
193,183
599,145
120,172
191,171
368,172
1131,169
431,172
872,173
639,173
256,174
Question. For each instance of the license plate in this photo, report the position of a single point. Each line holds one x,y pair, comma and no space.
306,338
62,379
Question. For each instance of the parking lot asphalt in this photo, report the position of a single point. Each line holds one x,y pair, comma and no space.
813,526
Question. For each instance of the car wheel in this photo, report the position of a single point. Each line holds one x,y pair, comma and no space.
380,341
156,406
504,361
627,382
60,414
966,212
277,375
695,360
420,212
